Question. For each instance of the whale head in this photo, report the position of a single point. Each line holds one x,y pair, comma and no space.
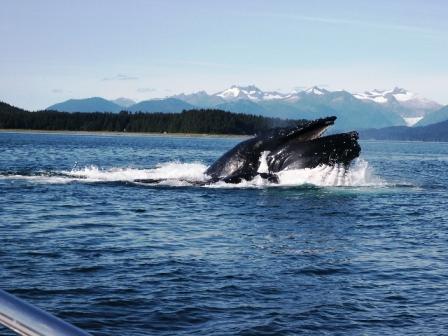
300,146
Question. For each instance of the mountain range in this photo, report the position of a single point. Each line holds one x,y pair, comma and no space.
370,109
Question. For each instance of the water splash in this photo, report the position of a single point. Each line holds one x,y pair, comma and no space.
360,174
170,171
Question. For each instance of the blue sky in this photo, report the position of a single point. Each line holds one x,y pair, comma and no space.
53,50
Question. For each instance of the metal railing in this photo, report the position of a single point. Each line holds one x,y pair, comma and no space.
28,320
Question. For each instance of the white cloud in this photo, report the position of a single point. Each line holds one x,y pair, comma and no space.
120,77
145,90
351,22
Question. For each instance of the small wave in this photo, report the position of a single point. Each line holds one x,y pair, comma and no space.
37,177
359,174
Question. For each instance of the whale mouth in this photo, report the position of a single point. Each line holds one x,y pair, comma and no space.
306,131
313,130
328,150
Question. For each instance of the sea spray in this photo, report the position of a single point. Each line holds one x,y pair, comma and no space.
359,174
166,171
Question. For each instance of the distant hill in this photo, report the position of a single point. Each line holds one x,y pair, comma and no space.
434,117
11,116
7,108
243,106
433,132
200,99
94,104
167,105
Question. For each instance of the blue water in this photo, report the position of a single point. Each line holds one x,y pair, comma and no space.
80,239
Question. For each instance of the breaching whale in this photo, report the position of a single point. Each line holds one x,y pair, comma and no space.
283,148
296,147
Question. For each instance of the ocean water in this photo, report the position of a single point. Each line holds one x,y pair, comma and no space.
325,252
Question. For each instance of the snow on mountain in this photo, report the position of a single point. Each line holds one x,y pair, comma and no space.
250,92
123,102
409,105
315,90
384,96
273,95
253,93
402,97
412,121
375,95
397,104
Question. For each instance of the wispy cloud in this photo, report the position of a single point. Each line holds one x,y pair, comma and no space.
359,23
146,90
57,91
199,64
120,77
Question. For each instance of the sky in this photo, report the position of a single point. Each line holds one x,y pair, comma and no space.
53,50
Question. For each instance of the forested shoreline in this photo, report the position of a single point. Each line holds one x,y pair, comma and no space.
210,121
196,121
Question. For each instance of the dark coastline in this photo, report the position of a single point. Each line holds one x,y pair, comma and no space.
200,121
197,122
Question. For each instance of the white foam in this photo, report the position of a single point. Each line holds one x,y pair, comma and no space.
183,174
263,167
40,178
167,171
360,174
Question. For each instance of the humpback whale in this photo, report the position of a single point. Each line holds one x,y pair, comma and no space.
296,147
283,148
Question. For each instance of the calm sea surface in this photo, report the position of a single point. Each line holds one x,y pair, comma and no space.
362,253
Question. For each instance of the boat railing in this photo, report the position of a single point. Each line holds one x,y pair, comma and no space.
28,320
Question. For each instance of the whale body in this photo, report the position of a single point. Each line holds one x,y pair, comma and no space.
296,147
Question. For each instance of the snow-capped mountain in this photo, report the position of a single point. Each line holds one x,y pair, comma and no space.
375,108
401,95
250,92
200,98
411,106
378,96
315,91
396,106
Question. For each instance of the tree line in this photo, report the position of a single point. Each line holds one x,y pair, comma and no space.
210,121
